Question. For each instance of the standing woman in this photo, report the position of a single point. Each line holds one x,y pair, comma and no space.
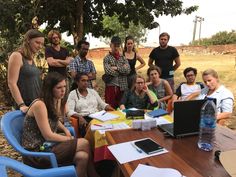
41,124
23,76
132,56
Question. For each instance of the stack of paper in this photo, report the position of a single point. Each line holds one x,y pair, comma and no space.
101,127
145,170
116,126
104,116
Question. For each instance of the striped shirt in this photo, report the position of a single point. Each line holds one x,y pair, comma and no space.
82,66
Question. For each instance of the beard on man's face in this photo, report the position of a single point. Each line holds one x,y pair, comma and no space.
83,54
163,44
55,42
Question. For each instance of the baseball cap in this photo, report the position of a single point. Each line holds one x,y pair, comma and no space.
116,40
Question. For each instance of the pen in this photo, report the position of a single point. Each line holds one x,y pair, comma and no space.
137,149
98,125
104,113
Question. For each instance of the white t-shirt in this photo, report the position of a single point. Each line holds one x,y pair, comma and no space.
185,90
224,98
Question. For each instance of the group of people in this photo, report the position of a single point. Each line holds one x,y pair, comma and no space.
45,105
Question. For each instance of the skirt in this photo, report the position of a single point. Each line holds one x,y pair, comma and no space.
64,152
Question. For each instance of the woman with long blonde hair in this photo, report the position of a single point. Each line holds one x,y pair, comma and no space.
23,76
214,89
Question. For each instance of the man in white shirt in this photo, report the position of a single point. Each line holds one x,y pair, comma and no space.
188,87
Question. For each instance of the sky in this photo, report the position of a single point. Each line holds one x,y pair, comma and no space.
218,16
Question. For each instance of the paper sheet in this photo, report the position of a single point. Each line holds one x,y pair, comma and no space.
116,126
228,161
118,151
150,171
104,116
159,120
101,126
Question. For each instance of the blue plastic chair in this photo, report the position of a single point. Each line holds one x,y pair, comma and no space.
27,171
12,125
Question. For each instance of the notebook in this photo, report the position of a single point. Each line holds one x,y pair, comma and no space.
157,113
148,146
186,118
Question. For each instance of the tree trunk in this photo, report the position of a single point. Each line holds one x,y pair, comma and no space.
79,24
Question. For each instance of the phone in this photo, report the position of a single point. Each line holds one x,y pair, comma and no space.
148,146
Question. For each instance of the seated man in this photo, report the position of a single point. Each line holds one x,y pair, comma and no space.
188,87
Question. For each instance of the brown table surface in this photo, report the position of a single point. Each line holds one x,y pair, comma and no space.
183,154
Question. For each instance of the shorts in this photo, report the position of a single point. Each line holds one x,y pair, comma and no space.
64,152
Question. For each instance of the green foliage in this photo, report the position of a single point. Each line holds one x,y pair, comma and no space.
79,17
220,38
115,27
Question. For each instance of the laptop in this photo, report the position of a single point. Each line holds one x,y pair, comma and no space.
186,118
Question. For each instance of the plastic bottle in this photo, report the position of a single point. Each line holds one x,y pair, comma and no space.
47,146
66,122
207,126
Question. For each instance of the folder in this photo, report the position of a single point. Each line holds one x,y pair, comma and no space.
157,113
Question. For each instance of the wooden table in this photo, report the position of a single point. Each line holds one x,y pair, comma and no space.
183,154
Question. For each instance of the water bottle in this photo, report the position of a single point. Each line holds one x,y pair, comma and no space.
66,122
207,126
47,146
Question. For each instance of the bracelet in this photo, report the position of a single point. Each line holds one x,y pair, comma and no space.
21,104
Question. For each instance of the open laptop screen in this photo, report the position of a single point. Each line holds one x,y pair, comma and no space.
186,118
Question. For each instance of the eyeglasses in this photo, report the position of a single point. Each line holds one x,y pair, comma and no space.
190,75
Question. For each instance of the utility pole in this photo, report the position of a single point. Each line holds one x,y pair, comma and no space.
194,28
200,19
197,19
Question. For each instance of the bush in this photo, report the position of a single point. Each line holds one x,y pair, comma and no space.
220,38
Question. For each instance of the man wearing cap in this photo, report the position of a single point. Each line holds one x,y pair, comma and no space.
116,66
